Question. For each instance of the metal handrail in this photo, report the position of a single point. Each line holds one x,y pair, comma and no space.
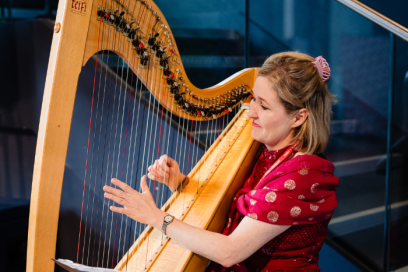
377,18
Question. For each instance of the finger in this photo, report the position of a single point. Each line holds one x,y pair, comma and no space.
117,209
123,186
156,173
169,161
145,188
114,191
164,166
159,173
114,198
155,177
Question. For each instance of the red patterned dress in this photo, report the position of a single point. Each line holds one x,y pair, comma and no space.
299,192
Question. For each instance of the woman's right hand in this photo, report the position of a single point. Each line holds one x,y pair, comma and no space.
167,171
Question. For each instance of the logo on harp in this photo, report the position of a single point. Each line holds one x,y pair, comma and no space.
79,6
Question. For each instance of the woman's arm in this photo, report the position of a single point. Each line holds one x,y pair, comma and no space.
248,237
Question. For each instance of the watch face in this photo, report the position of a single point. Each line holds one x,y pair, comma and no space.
168,218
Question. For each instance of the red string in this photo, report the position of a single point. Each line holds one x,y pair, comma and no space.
89,138
123,159
158,149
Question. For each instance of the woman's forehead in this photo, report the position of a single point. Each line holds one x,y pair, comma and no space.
264,91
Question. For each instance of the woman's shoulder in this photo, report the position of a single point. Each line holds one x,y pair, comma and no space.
309,162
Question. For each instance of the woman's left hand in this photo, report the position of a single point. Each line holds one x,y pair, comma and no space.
138,206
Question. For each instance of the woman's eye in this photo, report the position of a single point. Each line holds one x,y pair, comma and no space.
264,107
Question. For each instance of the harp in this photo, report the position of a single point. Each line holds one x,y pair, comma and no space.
138,33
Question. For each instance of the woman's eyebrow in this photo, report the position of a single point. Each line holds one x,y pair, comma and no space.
263,100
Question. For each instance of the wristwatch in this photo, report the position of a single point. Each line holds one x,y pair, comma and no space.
166,221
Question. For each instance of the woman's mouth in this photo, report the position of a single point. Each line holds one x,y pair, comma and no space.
255,125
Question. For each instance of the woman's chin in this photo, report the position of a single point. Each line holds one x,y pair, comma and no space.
255,135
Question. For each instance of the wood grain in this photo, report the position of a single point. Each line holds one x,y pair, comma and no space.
71,47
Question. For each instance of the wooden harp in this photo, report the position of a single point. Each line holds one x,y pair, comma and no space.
131,29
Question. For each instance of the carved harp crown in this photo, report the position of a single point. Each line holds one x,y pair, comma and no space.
139,34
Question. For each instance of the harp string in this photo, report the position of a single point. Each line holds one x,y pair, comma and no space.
119,148
186,161
114,147
130,147
104,148
89,136
124,151
93,153
113,157
158,145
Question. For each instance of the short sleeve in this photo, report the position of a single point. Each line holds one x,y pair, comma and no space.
291,199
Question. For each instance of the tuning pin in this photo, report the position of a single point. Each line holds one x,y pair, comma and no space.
122,13
154,13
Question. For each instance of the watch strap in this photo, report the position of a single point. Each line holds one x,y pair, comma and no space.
166,223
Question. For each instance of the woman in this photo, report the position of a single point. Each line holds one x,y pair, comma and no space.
279,219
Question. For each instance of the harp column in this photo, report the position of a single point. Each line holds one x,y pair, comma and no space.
64,66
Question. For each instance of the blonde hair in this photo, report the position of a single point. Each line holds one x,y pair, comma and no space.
298,84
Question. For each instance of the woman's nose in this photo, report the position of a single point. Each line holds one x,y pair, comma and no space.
252,111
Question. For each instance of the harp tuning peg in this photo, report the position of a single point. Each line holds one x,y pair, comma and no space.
122,13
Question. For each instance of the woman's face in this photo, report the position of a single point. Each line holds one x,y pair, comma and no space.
271,126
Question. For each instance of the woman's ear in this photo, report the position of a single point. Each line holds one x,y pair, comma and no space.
299,118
